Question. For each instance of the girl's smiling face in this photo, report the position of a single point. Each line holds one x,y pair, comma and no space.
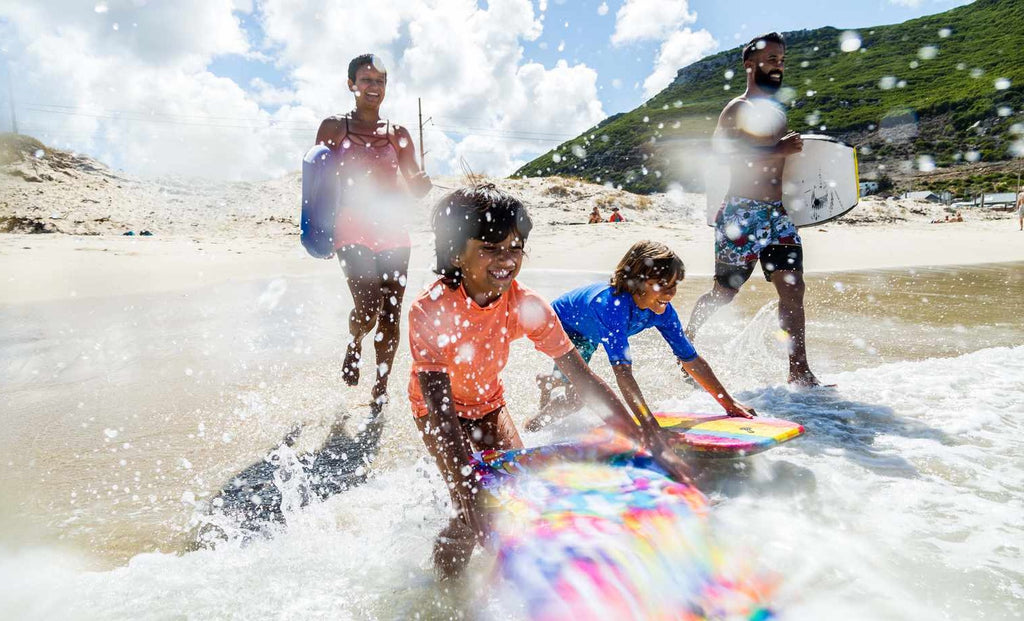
488,269
657,295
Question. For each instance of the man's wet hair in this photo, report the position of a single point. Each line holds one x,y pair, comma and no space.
363,60
479,211
760,41
646,260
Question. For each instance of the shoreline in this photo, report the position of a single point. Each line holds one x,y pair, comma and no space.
44,267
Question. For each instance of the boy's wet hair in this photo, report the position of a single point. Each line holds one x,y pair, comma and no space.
646,260
481,212
758,43
363,60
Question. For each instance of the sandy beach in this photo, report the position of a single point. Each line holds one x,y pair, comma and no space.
49,267
67,216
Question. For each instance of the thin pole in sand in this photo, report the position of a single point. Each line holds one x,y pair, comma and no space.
423,153
10,97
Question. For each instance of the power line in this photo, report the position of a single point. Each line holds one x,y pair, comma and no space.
498,137
251,124
143,113
168,118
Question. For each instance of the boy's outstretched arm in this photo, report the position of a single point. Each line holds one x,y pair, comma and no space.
599,396
451,447
701,371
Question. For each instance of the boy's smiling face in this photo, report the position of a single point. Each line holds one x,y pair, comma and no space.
488,269
657,294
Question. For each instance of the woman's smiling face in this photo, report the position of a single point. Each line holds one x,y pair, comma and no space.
370,86
488,269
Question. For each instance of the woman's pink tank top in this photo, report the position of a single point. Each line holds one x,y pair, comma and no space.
371,212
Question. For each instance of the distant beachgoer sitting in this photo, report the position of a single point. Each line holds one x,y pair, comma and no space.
595,216
959,217
1020,209
616,216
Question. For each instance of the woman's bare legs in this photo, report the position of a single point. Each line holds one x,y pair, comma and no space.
377,283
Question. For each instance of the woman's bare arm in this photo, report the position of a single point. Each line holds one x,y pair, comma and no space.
330,132
415,178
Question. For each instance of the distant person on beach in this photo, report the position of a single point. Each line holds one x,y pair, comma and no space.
460,329
595,216
639,297
370,234
616,216
1020,209
752,224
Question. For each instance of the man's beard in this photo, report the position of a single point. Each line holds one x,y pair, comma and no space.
766,83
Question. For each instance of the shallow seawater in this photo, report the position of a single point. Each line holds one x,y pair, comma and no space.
903,501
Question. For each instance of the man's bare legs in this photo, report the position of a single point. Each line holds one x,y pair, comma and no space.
790,286
707,305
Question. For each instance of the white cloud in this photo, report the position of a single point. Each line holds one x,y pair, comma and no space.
268,95
139,96
602,9
662,20
466,62
640,20
907,3
680,49
537,110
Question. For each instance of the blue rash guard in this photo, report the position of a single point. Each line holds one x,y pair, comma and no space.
595,314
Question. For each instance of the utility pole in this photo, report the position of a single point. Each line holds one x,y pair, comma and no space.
10,97
423,153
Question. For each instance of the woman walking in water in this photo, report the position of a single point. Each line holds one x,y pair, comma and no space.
370,233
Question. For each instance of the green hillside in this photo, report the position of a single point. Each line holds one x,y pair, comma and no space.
945,89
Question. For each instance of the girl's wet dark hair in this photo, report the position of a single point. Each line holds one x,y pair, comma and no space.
480,212
363,60
646,260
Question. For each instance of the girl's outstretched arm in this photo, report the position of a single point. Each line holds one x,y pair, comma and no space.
451,448
630,389
599,396
701,371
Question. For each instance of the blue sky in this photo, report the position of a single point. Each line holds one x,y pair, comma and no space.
235,88
583,33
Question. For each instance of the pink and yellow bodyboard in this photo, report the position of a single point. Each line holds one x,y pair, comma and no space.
718,435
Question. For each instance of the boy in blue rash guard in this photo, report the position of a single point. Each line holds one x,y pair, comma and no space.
638,298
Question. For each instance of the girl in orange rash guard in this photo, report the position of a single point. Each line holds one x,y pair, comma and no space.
370,233
460,328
